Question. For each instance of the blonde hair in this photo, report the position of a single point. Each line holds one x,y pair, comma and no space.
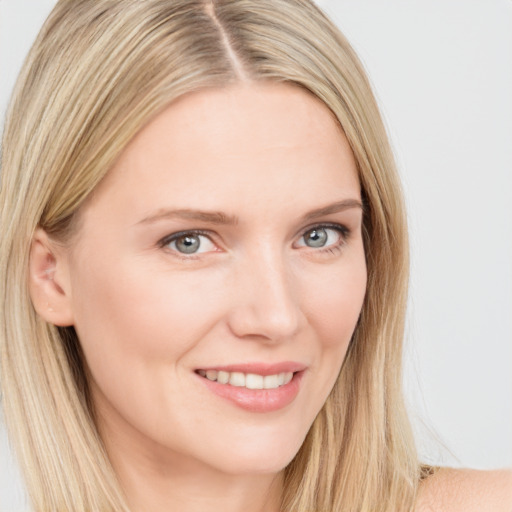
98,72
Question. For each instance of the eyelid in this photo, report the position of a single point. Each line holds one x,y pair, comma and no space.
344,230
166,240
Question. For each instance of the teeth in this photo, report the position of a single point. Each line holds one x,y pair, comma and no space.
249,380
211,375
271,381
237,379
253,381
223,377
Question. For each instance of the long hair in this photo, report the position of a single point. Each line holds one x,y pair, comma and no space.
98,72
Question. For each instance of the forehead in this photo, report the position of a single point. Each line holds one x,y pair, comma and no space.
236,146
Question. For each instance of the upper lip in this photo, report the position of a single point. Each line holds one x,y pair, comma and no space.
259,368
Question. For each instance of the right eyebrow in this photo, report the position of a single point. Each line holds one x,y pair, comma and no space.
211,217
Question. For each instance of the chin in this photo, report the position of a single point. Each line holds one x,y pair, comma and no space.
268,464
258,455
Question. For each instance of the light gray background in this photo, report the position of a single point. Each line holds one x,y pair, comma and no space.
442,71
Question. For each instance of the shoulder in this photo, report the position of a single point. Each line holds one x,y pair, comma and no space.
466,490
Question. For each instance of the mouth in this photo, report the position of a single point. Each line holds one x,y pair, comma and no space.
248,380
255,387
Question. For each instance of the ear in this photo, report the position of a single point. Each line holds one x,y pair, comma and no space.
49,285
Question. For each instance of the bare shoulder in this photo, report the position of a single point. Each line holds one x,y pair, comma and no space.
466,490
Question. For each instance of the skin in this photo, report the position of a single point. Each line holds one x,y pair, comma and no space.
466,490
148,316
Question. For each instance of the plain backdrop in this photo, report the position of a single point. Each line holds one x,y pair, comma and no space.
442,72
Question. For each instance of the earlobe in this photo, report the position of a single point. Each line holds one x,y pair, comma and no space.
49,281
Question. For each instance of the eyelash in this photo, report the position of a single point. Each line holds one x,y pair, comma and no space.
343,231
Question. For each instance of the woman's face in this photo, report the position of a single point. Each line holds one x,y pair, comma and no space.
222,253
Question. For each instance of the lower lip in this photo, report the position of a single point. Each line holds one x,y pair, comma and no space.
257,400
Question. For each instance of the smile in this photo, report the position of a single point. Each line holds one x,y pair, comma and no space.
255,387
247,380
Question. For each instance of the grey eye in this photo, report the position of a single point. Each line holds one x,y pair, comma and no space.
187,244
317,237
320,237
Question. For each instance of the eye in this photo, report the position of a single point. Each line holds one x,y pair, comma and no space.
190,242
323,237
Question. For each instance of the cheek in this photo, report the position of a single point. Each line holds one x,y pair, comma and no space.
136,329
333,312
334,306
127,318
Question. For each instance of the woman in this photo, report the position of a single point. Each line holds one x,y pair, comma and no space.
199,265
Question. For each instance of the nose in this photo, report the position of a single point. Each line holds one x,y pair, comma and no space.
265,302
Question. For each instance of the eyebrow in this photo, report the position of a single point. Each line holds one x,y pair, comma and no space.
337,207
221,218
211,217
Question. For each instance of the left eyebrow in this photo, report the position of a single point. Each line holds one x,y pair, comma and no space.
336,207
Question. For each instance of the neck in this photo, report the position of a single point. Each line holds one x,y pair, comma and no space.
189,486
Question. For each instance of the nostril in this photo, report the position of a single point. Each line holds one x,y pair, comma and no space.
265,320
